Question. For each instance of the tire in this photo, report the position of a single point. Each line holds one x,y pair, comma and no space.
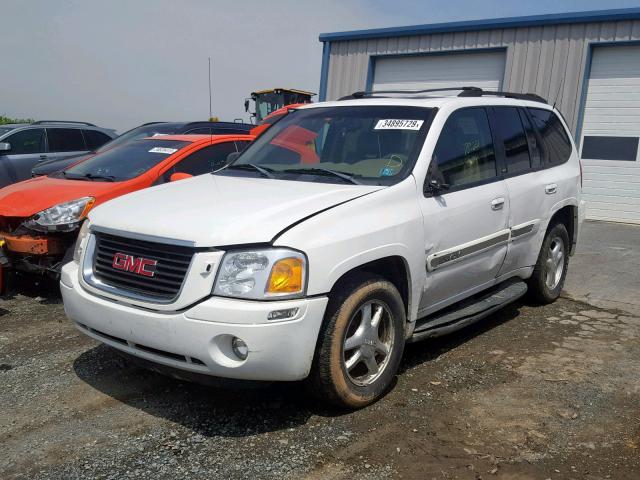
547,279
348,353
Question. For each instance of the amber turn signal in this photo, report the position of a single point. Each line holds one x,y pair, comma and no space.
286,276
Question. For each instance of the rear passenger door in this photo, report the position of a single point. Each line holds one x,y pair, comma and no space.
466,225
529,148
65,142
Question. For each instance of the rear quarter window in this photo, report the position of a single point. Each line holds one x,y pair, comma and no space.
555,141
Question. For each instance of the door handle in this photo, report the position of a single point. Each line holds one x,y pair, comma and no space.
551,189
497,203
43,157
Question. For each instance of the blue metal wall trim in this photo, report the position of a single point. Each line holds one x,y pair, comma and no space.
324,71
512,22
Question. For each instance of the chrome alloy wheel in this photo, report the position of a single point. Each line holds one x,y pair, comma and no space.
554,264
368,343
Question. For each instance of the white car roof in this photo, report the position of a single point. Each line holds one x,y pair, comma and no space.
452,102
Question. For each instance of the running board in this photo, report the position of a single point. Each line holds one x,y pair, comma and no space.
468,311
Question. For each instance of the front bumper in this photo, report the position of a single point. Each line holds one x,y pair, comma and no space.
198,339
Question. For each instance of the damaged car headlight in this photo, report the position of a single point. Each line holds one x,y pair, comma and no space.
63,217
262,274
80,242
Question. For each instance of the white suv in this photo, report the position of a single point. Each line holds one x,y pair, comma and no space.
346,230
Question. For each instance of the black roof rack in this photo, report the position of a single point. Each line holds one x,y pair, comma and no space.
40,122
467,91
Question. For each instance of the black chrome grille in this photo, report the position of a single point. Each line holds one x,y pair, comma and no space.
168,274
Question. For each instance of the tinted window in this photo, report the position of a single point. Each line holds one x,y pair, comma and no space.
26,141
464,152
511,133
242,144
95,139
65,140
125,161
375,144
532,139
205,160
555,141
144,131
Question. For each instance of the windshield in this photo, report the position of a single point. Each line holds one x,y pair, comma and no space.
124,162
138,133
365,144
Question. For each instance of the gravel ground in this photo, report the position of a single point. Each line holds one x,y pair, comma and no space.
530,393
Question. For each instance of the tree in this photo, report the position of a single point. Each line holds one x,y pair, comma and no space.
4,120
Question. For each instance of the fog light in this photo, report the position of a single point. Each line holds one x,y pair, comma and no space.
240,348
283,314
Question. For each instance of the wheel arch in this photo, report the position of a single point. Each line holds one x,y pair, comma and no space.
566,214
393,268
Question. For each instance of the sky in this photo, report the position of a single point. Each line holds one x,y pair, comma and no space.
120,63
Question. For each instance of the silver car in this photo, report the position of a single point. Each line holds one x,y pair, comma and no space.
23,146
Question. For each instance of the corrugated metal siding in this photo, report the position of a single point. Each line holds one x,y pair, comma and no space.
540,60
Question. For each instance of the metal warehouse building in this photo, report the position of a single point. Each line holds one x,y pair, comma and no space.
589,62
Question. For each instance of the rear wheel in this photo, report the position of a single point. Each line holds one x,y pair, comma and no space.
550,271
361,343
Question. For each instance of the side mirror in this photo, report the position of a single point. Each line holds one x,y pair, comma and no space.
5,146
179,176
246,105
434,184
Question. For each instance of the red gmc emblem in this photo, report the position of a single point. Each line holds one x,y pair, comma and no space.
139,265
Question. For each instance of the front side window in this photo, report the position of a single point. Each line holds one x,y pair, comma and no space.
512,135
364,144
26,141
464,153
205,160
557,145
65,140
124,162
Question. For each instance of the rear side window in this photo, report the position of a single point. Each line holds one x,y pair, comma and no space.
26,141
65,140
514,141
532,138
95,139
556,143
464,152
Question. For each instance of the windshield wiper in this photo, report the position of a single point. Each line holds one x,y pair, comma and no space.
265,172
107,178
324,171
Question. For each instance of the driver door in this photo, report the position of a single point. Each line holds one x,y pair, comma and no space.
466,224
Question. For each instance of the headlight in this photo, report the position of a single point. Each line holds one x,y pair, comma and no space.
80,242
63,217
262,274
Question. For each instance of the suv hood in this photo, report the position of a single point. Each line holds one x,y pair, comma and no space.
217,210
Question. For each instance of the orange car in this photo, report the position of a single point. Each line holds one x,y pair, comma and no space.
40,217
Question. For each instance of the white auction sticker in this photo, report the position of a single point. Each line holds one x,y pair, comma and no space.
398,124
166,151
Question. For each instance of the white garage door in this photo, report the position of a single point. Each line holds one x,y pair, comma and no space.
610,134
483,69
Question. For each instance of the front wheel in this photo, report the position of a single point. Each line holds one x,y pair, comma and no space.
550,271
361,343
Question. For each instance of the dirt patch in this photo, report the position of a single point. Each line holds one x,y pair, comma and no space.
531,393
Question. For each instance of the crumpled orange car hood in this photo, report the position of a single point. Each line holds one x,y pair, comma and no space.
27,198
